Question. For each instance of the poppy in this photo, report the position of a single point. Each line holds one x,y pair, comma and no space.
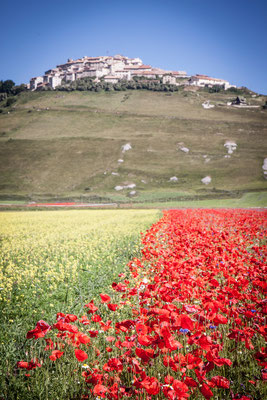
80,355
105,298
56,354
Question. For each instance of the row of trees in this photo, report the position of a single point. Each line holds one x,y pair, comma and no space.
85,84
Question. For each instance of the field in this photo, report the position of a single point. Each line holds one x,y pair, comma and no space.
63,146
55,261
182,319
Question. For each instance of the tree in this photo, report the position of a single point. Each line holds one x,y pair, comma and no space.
6,86
18,89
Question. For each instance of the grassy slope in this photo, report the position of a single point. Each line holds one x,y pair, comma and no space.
72,148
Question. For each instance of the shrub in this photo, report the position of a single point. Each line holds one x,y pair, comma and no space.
10,101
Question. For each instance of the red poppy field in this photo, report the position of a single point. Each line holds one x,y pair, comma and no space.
187,320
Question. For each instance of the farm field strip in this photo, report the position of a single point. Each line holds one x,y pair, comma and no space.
189,321
53,260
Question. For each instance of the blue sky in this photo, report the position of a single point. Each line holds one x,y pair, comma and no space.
221,38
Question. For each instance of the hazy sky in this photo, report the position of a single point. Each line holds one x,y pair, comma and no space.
221,38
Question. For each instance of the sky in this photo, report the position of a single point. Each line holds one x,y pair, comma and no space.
225,39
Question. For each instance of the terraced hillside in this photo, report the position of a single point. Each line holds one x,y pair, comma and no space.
59,145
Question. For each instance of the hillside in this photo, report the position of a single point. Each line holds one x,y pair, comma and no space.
66,145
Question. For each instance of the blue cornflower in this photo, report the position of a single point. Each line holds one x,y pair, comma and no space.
184,330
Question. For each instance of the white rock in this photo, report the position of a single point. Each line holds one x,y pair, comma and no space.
227,156
115,173
120,160
205,156
143,181
264,167
132,193
173,179
130,186
184,149
206,180
231,146
126,147
207,105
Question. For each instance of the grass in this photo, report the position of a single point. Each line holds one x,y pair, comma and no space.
52,262
67,145
248,200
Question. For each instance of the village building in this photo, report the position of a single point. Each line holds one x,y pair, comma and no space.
34,82
111,79
168,78
204,80
180,74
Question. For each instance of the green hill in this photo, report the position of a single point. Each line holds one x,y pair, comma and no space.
66,145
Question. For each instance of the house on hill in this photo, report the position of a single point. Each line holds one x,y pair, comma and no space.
204,80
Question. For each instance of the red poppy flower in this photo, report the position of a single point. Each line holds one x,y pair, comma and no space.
181,389
220,319
220,382
96,318
63,326
83,338
80,355
56,354
28,365
100,390
145,355
151,385
40,330
91,307
205,390
105,298
145,340
190,382
22,364
112,307
110,339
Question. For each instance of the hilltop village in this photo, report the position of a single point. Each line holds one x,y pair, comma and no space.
113,69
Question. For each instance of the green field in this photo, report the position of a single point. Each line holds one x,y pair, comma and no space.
61,145
56,262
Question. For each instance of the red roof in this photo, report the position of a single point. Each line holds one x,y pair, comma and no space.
145,73
178,72
110,77
197,76
137,67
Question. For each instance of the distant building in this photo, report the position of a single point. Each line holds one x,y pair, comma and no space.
111,79
34,82
204,80
55,81
169,79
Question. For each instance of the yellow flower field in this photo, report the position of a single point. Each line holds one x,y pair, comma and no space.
42,251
